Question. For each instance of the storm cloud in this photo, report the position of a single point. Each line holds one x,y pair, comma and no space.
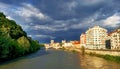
44,20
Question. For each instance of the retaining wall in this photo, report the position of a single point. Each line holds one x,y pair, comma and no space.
102,52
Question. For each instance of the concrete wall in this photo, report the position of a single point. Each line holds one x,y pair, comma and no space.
101,52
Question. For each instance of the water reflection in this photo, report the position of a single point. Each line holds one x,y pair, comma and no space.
91,62
59,59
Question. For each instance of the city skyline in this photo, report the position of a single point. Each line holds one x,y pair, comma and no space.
44,20
94,38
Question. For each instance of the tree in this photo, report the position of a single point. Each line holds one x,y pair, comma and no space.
2,15
13,40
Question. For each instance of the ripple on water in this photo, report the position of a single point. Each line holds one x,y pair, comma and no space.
59,59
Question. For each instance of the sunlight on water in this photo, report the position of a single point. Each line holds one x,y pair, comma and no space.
58,59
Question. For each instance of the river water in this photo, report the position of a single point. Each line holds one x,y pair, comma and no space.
59,59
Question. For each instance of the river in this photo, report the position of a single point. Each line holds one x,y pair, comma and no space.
59,59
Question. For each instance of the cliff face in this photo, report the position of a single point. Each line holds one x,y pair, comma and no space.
13,40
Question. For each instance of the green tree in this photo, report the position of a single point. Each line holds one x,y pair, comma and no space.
13,40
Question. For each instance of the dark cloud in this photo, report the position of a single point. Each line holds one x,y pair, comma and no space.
44,20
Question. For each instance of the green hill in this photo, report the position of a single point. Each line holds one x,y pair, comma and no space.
13,40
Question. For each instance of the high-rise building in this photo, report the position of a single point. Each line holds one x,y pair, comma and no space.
115,39
96,38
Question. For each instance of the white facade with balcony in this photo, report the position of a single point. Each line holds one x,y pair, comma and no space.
96,38
115,40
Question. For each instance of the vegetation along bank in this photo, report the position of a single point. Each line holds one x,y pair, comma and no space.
14,42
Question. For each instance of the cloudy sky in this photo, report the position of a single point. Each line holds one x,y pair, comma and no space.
44,20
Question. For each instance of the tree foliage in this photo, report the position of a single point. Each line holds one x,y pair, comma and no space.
13,40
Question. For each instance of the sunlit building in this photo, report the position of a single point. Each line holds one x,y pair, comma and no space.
115,39
83,40
96,38
63,41
67,44
76,44
52,41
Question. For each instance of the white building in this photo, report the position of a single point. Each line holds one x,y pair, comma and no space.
52,41
115,40
82,40
63,41
96,38
67,44
56,45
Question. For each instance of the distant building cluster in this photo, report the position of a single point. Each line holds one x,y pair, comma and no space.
94,38
63,44
99,38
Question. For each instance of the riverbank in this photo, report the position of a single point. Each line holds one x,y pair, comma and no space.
17,57
59,59
111,55
107,57
105,54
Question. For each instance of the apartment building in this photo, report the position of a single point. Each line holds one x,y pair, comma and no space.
96,38
115,39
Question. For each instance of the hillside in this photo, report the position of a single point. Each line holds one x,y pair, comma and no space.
13,40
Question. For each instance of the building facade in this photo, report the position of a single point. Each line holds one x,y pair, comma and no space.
76,44
67,45
52,41
96,38
82,40
115,39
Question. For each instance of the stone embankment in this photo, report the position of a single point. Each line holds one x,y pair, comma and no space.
100,52
104,52
111,55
